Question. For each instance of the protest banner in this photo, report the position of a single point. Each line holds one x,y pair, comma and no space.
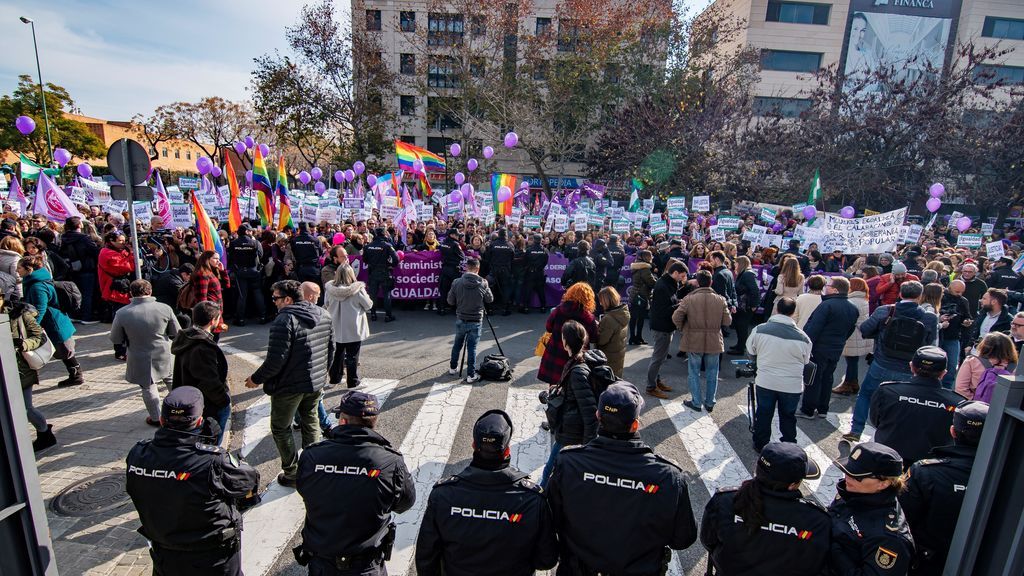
995,250
596,219
914,234
676,203
753,237
561,223
579,222
676,227
969,241
532,221
188,183
716,233
729,222
987,228
702,203
181,215
658,227
874,234
620,226
768,215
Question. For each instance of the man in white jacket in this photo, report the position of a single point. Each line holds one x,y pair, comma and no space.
781,351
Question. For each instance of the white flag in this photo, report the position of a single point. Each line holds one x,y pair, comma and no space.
52,201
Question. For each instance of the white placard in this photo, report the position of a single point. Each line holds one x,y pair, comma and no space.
716,233
676,227
987,229
579,222
875,234
561,223
181,215
995,250
702,203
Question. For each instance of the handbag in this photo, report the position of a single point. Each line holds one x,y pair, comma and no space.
542,344
38,357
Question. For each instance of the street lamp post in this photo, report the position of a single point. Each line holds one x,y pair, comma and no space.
42,93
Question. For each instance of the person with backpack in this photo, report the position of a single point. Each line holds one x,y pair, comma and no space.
40,293
898,330
581,269
994,356
469,295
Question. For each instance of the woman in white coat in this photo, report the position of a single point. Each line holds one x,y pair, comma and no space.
857,346
348,302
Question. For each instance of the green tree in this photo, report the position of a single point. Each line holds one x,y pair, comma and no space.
69,134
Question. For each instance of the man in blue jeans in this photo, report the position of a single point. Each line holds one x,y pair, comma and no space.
890,364
469,295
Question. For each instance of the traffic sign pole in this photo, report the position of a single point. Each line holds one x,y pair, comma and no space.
131,210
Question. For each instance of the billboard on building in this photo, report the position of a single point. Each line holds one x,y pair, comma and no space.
912,37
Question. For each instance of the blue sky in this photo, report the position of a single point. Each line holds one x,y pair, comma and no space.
122,57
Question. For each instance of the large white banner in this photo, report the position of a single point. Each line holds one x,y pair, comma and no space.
873,234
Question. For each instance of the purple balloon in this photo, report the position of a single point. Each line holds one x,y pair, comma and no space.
456,149
472,164
304,177
933,204
963,223
349,175
320,187
84,170
339,176
249,142
936,190
25,125
467,192
359,167
504,194
62,156
316,173
776,227
511,139
488,152
264,150
216,171
248,176
204,165
239,148
847,212
810,212
459,178
371,180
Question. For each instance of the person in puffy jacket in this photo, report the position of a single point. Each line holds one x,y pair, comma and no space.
199,362
640,296
611,330
40,293
577,304
889,284
348,302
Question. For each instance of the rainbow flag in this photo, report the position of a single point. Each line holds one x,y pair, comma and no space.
408,154
497,181
282,192
208,237
261,184
234,212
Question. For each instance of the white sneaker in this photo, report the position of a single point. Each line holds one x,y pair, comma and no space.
473,378
427,307
453,372
90,322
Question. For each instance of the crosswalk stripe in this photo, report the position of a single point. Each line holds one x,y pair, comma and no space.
843,421
271,525
426,449
717,463
531,444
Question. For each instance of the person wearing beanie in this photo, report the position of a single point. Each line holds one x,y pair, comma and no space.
936,487
617,504
489,518
733,527
889,286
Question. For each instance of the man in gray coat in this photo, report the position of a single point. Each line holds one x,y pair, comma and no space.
468,295
147,328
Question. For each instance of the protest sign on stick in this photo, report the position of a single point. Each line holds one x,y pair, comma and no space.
874,234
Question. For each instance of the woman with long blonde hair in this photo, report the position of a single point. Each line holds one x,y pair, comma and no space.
347,301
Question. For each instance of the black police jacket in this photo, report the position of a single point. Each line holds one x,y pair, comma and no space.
244,252
913,417
305,249
185,490
536,259
1004,277
870,534
500,254
932,501
486,522
616,506
351,483
614,271
795,541
602,261
451,256
380,258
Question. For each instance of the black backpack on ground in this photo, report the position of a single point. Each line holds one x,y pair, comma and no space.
69,297
901,336
495,367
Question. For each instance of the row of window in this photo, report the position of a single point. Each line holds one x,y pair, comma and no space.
449,29
177,153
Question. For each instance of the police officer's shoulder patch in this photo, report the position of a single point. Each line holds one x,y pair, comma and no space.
447,481
885,558
931,461
211,448
573,447
526,483
671,463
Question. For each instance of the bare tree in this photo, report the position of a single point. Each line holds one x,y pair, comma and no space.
211,124
155,129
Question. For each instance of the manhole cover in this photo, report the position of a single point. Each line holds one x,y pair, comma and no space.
93,495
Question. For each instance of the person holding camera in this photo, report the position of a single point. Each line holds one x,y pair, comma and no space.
953,311
781,351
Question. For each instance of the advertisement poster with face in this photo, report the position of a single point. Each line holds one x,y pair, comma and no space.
911,37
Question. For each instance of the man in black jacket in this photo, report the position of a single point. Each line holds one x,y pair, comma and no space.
936,487
663,302
992,315
617,258
351,483
805,264
469,295
829,327
451,261
952,313
380,259
500,255
489,518
199,362
187,491
81,253
294,371
602,260
1003,276
722,282
534,281
306,250
245,256
617,505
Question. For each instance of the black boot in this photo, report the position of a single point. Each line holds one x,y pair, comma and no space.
75,377
44,440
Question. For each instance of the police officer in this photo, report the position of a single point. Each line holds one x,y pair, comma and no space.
500,255
914,417
489,518
380,259
602,261
187,492
936,487
451,263
536,259
766,526
618,506
306,251
245,257
870,535
351,483
617,259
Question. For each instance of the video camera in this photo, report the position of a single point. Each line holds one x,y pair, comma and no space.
745,368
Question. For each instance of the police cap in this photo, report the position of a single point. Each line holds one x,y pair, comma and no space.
785,462
619,405
183,404
492,433
244,227
871,459
969,418
453,232
360,404
378,232
930,357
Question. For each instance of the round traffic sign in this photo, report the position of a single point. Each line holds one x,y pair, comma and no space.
139,167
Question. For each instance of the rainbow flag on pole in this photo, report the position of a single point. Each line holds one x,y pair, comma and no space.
497,181
261,184
282,193
234,212
208,237
408,154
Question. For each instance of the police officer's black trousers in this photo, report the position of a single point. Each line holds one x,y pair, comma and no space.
380,293
226,561
448,276
534,284
323,567
503,280
250,283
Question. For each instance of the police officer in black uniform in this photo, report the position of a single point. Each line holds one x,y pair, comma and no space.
602,261
351,483
380,259
618,506
766,526
489,518
618,258
451,263
536,259
245,257
936,487
306,251
500,255
870,534
914,417
187,492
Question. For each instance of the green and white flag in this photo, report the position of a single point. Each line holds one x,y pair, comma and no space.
816,192
30,170
634,201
